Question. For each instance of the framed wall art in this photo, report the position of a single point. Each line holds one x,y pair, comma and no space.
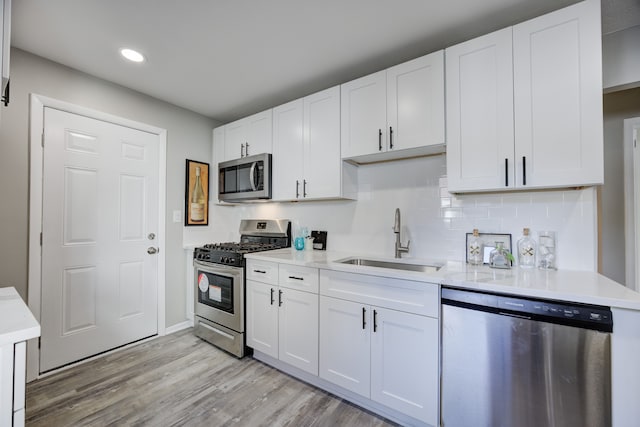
196,204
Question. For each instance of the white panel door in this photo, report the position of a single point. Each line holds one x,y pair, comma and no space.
234,139
287,164
100,199
558,98
480,135
404,363
345,344
262,317
415,102
363,112
322,159
298,329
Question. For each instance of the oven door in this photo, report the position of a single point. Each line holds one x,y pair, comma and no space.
219,294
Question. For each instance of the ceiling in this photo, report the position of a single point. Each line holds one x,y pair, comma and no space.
226,59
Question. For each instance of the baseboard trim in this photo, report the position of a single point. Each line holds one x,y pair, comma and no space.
178,327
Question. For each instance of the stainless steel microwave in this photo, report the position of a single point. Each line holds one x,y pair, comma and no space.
244,179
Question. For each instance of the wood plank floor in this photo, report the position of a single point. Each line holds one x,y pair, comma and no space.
181,380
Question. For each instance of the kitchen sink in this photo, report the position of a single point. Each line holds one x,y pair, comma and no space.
425,268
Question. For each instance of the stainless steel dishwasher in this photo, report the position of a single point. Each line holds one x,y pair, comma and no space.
510,361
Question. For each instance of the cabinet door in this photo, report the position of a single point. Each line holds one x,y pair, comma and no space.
217,157
345,344
258,133
364,115
6,384
480,135
234,139
558,98
298,329
404,363
287,151
262,317
322,158
415,102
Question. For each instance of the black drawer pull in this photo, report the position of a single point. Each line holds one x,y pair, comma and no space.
296,278
260,271
364,321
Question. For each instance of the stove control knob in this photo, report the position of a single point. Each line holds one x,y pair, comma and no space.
232,260
221,259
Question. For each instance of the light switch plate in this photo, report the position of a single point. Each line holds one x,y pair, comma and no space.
177,216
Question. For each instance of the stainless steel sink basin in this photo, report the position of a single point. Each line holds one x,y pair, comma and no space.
425,268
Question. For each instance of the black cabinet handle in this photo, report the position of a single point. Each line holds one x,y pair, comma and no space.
279,298
375,320
5,96
272,299
260,271
241,150
246,149
506,172
390,141
524,170
304,188
297,188
296,278
379,139
364,321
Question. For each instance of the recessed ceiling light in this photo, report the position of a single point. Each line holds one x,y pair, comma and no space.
132,55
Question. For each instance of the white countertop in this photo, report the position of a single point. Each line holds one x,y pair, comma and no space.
16,321
575,286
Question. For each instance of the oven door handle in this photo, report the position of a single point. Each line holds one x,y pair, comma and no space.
252,176
219,269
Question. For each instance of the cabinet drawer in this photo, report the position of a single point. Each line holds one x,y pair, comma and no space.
404,295
299,277
262,271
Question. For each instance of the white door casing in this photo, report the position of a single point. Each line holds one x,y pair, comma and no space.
96,201
632,202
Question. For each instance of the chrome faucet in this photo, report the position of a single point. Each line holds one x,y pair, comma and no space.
396,229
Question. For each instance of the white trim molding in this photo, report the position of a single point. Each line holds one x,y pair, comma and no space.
37,103
632,202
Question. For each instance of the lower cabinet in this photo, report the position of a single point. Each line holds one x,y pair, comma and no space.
386,355
283,323
12,383
373,340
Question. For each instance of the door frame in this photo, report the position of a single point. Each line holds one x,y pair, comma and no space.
632,202
37,103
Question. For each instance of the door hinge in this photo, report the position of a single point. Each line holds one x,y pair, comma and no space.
40,238
635,141
39,342
42,140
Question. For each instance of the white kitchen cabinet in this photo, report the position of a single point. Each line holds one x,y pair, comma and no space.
379,338
217,150
5,47
345,344
248,136
395,113
557,66
524,105
480,135
12,383
282,320
307,163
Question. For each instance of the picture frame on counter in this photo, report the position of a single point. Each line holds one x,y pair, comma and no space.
196,200
489,243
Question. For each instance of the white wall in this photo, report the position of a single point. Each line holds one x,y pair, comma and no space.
189,136
434,220
621,59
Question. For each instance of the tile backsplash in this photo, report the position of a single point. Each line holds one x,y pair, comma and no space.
434,220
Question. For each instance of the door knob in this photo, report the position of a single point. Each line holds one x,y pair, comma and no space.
151,250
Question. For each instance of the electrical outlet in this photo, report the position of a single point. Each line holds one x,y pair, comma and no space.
177,216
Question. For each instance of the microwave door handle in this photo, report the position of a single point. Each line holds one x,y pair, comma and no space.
252,176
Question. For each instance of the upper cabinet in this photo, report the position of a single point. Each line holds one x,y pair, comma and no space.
395,113
248,136
306,150
5,46
524,105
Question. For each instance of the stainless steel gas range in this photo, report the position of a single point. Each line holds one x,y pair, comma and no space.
220,282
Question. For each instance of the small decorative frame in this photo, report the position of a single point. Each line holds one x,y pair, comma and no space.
489,240
193,215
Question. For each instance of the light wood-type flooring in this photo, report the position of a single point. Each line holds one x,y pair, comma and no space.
181,380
